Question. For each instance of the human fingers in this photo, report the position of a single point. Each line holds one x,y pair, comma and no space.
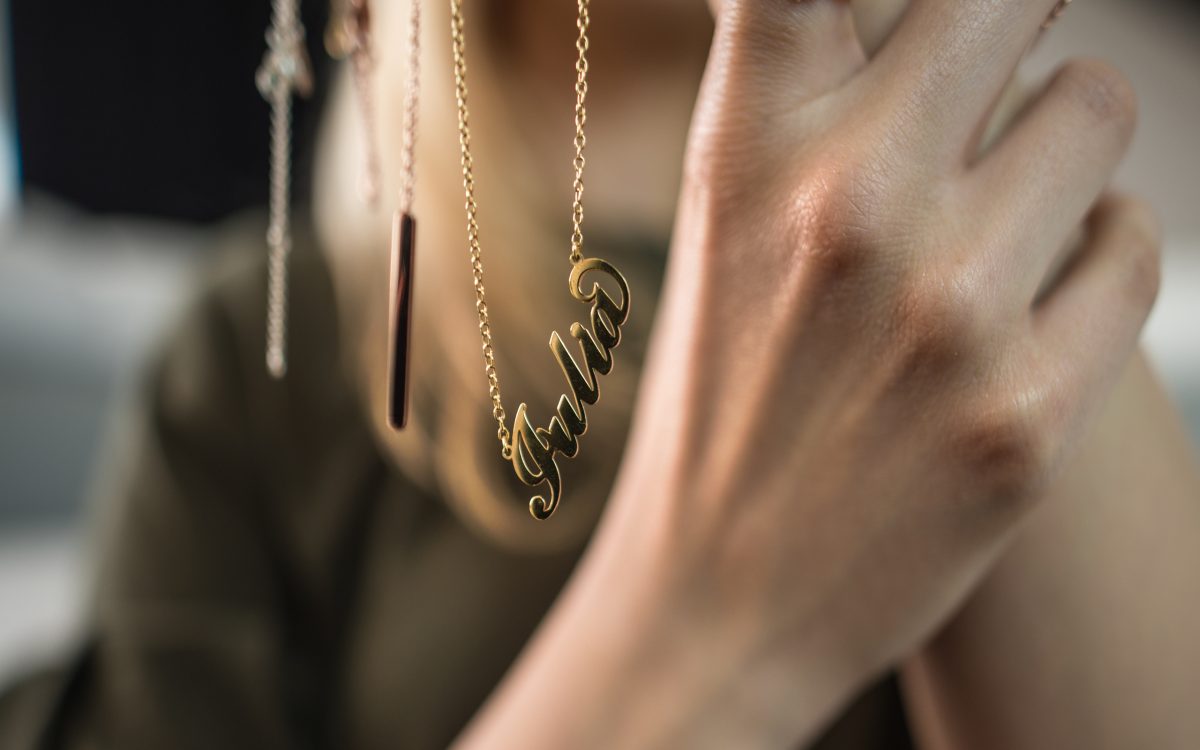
1089,321
947,62
1053,163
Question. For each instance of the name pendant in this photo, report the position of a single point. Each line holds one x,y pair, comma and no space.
534,449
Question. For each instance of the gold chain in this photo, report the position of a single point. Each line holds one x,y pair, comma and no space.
464,142
581,87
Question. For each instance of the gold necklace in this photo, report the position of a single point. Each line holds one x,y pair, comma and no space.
532,450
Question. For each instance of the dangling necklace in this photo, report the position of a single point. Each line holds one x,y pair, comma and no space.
350,36
404,236
532,450
285,69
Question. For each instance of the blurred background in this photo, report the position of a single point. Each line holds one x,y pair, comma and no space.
130,129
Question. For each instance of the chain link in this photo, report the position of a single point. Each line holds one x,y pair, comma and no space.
468,174
285,70
412,93
581,88
279,239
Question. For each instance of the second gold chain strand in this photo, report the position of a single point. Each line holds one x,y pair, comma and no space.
475,250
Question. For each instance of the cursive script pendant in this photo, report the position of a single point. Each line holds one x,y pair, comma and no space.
534,448
404,229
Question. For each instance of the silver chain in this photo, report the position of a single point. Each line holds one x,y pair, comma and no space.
278,237
285,69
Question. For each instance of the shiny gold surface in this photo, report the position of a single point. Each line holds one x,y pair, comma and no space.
534,448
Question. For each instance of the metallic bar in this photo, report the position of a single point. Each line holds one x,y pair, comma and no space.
400,336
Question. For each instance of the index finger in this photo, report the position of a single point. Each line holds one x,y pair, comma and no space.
949,60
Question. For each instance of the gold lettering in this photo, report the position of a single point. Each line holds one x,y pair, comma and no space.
534,449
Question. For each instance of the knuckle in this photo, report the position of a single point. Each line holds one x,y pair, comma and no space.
937,322
831,220
840,209
1005,448
1103,91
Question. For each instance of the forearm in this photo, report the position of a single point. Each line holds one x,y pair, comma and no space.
1085,633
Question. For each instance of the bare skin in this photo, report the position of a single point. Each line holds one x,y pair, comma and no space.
903,370
1084,633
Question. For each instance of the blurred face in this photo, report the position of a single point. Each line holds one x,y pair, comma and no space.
645,61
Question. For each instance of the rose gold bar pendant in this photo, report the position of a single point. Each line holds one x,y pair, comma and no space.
404,229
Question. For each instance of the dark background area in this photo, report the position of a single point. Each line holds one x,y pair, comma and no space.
149,106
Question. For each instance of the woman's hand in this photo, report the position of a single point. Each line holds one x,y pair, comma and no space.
867,362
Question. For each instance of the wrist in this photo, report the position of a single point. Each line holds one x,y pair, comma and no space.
635,655
741,678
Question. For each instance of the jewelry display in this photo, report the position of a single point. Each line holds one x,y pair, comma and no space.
285,70
532,450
